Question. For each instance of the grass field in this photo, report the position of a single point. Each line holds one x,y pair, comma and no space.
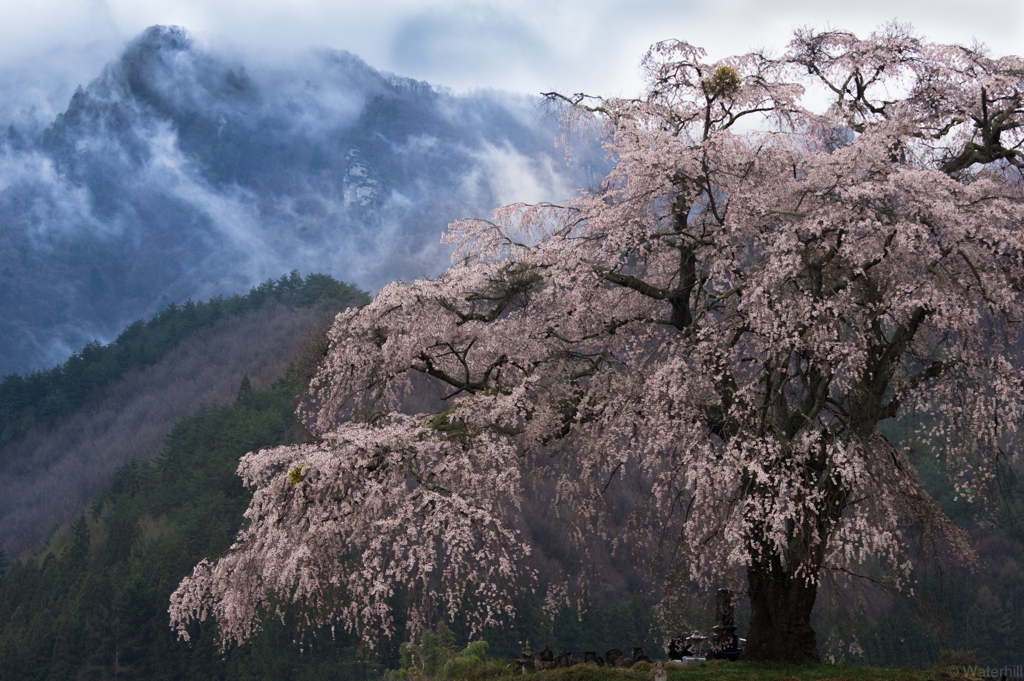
740,671
719,670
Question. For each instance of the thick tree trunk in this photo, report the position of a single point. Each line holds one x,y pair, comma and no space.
780,617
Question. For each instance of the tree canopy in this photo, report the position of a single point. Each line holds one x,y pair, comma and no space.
728,318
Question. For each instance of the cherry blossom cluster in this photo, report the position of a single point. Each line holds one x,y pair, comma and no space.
727,319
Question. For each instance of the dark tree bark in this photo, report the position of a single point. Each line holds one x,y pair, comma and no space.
780,617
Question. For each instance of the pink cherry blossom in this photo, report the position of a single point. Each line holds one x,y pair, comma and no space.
728,318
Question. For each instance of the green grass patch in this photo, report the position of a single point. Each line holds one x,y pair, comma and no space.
716,670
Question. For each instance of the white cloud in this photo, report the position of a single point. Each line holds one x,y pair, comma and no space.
512,177
527,45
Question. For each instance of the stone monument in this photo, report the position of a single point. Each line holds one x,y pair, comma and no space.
526,661
547,658
724,643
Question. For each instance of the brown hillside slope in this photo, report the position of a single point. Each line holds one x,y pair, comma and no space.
49,477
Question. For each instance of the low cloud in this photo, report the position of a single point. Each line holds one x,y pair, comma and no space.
184,172
528,46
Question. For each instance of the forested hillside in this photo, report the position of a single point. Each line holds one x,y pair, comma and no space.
95,602
68,429
41,399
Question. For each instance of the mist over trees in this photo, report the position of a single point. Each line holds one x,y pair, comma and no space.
180,172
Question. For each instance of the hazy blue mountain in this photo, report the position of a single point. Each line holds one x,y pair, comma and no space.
180,172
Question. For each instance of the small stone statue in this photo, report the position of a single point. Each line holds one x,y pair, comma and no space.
659,672
526,663
696,645
547,658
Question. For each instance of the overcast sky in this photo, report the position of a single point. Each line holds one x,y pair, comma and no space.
527,45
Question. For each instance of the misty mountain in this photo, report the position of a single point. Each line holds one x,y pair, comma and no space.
181,172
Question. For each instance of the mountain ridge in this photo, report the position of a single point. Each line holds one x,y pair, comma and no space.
180,172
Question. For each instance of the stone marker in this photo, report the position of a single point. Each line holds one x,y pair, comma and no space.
526,662
724,643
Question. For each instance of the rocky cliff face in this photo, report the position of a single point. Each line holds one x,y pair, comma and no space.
180,172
